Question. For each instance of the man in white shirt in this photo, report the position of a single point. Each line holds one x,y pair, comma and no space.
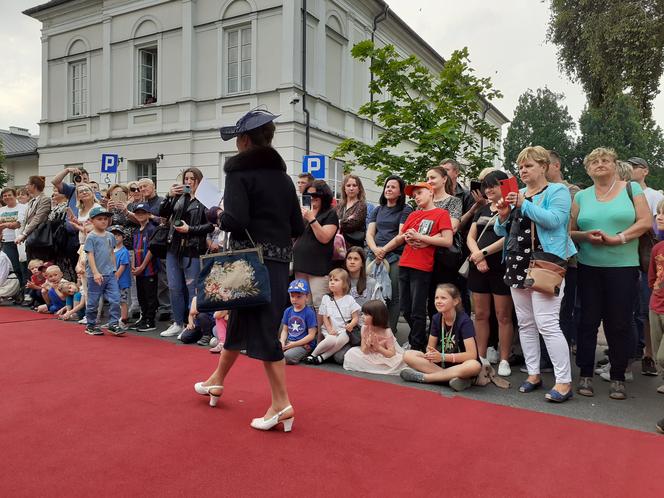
12,215
639,173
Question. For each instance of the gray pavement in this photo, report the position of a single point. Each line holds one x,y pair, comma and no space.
640,411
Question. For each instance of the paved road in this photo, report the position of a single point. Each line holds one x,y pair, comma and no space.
640,411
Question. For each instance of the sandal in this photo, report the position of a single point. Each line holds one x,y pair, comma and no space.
557,396
528,387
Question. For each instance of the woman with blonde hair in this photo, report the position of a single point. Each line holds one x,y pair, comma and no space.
352,211
607,220
535,220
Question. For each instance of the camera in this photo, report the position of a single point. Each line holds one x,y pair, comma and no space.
178,223
78,178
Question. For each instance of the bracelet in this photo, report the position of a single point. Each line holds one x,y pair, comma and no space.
622,238
313,221
453,358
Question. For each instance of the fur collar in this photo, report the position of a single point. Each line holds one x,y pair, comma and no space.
255,158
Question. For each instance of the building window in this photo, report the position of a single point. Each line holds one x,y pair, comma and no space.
78,77
239,60
336,177
147,71
146,169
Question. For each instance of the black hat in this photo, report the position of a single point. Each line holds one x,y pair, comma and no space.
638,162
116,228
141,206
250,121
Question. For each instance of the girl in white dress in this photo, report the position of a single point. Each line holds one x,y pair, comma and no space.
379,352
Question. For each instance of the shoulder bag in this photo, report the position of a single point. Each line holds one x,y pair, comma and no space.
646,241
465,267
546,270
158,243
355,335
233,279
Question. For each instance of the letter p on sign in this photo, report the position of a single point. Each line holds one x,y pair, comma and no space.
109,163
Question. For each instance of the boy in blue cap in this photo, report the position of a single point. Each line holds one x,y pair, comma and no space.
298,325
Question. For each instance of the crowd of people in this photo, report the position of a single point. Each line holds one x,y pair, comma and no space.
351,269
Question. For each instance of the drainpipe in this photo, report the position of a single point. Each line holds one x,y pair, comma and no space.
379,18
307,117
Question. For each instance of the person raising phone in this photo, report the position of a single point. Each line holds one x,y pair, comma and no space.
186,239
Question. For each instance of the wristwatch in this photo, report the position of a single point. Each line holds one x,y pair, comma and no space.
485,252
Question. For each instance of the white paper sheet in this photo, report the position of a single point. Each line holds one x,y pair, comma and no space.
208,193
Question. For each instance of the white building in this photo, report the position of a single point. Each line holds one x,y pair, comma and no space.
205,63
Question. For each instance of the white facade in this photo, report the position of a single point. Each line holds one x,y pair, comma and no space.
207,62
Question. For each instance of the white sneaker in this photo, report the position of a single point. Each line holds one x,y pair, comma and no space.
171,331
492,355
83,321
629,376
603,369
504,369
660,389
214,341
122,324
484,362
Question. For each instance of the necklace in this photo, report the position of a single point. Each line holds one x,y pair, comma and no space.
606,194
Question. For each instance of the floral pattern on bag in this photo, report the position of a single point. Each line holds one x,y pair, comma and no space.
231,280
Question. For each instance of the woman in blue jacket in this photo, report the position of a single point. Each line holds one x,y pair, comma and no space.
536,220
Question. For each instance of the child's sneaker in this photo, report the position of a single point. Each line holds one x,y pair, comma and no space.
115,329
204,341
93,330
83,321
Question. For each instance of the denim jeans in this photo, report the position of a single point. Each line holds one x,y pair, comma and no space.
110,290
182,276
413,290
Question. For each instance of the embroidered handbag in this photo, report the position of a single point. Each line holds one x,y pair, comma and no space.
233,279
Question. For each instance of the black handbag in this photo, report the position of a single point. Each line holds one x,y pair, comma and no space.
158,243
450,258
40,237
233,279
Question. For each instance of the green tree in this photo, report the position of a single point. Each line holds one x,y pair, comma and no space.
618,124
540,118
611,46
426,118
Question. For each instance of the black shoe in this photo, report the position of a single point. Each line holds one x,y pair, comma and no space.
660,426
146,327
204,341
93,330
115,329
648,366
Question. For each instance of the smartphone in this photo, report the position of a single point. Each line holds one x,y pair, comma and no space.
306,201
118,195
187,189
509,185
475,185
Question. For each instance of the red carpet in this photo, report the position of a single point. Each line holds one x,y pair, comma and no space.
108,416
9,314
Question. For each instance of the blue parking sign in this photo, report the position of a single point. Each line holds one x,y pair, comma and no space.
314,165
109,163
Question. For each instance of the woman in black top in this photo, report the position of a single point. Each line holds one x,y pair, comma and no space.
186,242
312,253
259,199
485,277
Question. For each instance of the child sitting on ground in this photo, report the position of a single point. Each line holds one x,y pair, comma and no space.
100,273
75,301
298,324
451,354
37,279
54,299
379,352
340,315
199,326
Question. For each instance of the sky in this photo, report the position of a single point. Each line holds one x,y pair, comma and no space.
506,40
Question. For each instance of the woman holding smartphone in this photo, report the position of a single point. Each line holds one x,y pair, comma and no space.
187,241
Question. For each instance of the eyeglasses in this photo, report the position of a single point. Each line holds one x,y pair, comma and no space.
134,189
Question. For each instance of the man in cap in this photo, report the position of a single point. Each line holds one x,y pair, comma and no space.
639,172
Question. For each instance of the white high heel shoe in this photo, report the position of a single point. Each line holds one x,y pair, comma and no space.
265,425
205,391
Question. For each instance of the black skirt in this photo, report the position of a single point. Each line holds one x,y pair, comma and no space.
257,329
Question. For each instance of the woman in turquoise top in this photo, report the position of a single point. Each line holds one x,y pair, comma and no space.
538,221
606,224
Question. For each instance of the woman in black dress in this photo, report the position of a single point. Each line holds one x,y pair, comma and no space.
260,199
